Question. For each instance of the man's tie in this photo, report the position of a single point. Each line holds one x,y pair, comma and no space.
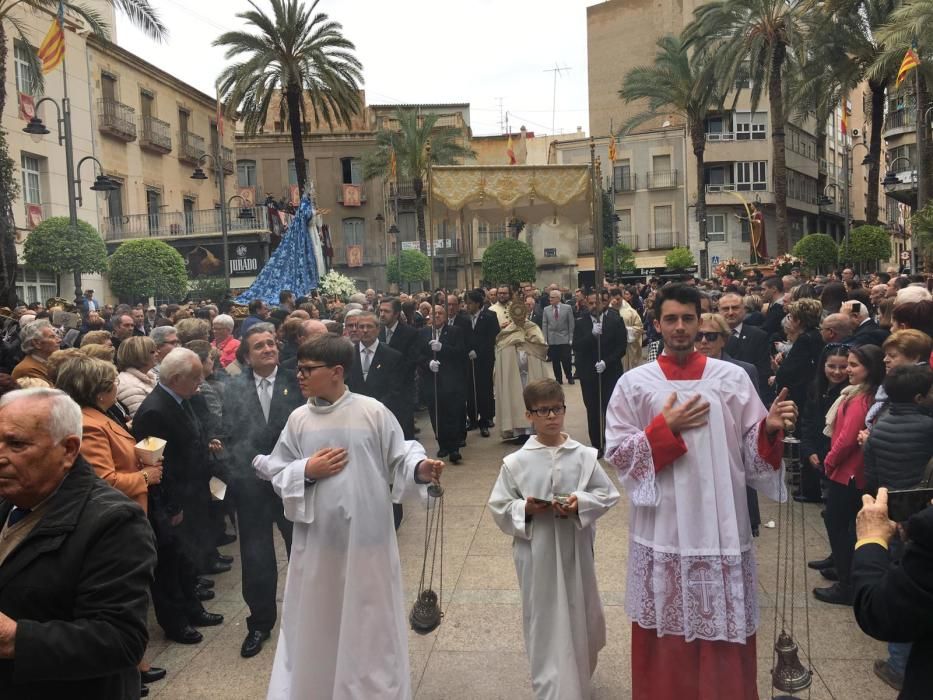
555,313
473,319
17,514
265,397
735,332
388,335
367,360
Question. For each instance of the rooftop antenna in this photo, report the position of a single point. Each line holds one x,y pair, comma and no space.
557,70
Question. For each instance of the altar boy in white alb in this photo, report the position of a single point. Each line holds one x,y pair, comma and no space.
548,497
343,633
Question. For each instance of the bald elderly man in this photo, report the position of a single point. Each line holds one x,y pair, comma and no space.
836,328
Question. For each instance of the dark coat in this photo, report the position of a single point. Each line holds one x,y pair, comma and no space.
451,381
612,346
78,587
752,346
894,602
403,340
798,368
385,380
482,338
772,321
898,447
869,333
813,421
246,434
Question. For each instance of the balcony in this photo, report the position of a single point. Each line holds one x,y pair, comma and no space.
345,194
585,245
629,238
899,122
226,158
372,254
404,189
624,183
178,224
156,135
116,119
190,147
663,240
662,179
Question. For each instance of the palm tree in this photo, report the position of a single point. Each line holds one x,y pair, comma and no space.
681,81
409,142
768,35
298,54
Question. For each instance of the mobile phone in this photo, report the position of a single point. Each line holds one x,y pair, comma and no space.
904,503
856,307
540,501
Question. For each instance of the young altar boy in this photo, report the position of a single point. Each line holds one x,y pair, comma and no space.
548,497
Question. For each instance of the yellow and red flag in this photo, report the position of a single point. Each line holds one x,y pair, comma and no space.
612,148
52,49
844,122
393,165
911,61
510,151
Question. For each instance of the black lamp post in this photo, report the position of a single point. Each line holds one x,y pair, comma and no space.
199,174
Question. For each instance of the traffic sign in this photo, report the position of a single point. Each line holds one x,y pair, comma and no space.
905,255
714,260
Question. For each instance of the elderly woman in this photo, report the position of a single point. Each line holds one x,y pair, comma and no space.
100,352
189,329
97,338
38,341
135,360
224,340
105,443
797,368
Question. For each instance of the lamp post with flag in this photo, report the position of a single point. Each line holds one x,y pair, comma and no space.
911,62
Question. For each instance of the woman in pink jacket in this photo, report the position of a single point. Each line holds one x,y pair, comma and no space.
845,468
224,340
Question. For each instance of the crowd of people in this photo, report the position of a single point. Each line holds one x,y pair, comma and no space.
686,372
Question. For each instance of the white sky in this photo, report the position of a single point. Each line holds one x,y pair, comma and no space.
418,51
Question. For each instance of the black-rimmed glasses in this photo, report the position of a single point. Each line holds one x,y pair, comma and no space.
548,411
306,370
710,337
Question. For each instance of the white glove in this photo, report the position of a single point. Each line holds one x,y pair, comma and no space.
600,367
472,354
435,345
434,365
597,329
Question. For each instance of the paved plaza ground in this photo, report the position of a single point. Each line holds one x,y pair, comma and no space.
478,652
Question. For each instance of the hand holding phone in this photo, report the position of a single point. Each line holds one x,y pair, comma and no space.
536,505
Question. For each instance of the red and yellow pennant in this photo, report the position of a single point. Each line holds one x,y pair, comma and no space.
911,61
52,49
510,151
844,122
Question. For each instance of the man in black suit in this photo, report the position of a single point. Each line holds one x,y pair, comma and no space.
746,343
867,331
377,369
481,360
257,404
599,344
179,505
772,291
442,352
403,338
535,312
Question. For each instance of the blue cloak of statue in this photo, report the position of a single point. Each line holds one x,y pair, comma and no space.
293,265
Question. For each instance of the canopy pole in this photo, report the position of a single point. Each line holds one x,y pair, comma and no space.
430,218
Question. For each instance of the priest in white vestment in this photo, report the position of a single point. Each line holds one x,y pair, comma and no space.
687,433
521,358
343,633
563,617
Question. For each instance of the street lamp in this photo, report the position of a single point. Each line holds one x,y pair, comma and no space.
199,174
37,129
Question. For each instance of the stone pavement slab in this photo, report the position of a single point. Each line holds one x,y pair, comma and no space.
478,651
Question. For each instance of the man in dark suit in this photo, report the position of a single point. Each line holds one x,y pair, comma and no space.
76,561
772,291
179,505
867,331
402,338
481,360
257,404
442,352
746,343
534,310
599,344
377,369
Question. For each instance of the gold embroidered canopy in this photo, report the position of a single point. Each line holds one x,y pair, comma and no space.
531,193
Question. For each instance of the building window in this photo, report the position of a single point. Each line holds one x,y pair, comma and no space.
749,126
292,173
351,170
751,175
716,125
661,164
353,232
625,220
246,173
716,175
489,234
26,81
32,188
664,226
115,203
622,177
35,285
716,227
903,158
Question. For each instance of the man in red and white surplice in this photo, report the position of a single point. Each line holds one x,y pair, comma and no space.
687,433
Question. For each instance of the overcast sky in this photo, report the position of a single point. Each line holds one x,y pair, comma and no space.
419,51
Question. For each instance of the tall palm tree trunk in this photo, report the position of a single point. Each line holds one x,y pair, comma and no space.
417,185
293,99
779,173
698,141
874,148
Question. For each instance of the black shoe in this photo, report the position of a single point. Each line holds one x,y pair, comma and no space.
205,582
152,675
226,538
834,595
224,559
830,573
560,381
442,453
186,635
143,691
471,426
206,619
252,645
455,457
217,567
755,531
571,382
484,431
204,594
821,563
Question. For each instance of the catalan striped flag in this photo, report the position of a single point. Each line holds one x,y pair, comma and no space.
52,49
393,166
612,148
844,122
510,151
911,61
